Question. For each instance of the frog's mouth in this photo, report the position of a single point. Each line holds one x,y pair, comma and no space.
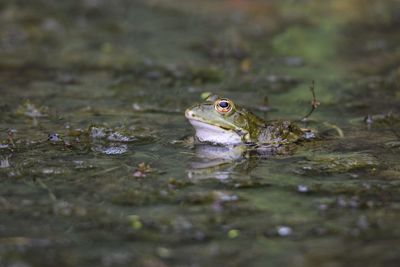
206,132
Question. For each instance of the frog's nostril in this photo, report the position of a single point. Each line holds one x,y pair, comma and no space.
189,113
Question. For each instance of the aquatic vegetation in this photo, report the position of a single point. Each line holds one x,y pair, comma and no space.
30,110
97,167
337,163
142,170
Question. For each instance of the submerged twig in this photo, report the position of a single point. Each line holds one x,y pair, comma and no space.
314,103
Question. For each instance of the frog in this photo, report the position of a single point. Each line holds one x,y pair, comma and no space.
220,121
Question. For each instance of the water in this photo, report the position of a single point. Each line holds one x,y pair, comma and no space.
92,171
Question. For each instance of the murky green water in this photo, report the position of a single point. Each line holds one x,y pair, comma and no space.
109,81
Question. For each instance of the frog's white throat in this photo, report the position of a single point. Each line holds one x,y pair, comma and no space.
210,133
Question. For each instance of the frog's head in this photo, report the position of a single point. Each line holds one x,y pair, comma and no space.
218,120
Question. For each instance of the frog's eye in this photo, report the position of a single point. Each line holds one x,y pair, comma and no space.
223,106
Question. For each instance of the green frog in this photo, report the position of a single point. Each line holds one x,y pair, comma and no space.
220,121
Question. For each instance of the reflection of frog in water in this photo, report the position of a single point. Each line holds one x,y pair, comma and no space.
221,162
220,121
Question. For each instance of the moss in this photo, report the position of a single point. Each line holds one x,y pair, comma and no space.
337,163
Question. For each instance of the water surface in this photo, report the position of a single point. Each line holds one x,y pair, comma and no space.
92,101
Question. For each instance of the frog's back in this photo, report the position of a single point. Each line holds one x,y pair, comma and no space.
279,132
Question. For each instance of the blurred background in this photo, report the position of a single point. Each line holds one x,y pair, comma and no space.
91,89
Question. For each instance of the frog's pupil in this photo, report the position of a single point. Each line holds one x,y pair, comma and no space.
223,104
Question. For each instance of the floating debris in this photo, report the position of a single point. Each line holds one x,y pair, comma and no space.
116,150
368,119
97,132
135,222
113,135
118,137
2,146
112,149
30,110
4,163
80,164
284,231
52,171
233,233
309,135
142,170
224,197
54,137
302,188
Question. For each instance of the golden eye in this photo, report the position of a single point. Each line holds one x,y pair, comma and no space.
223,106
